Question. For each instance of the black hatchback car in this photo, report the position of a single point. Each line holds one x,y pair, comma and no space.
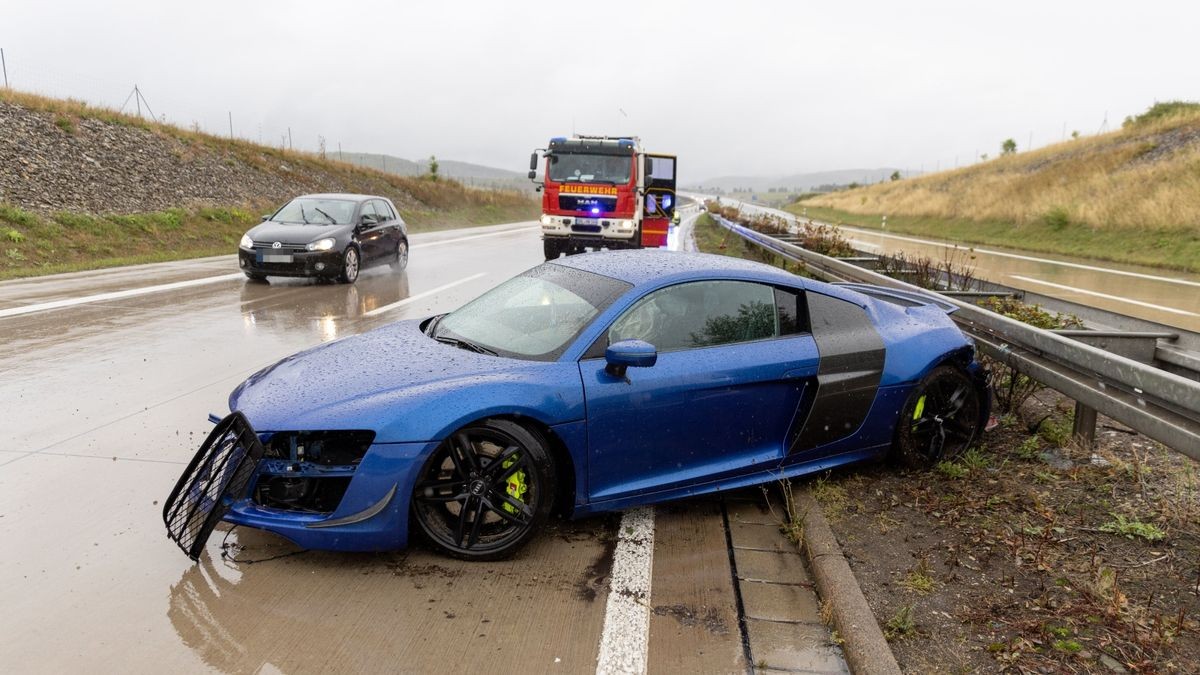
326,235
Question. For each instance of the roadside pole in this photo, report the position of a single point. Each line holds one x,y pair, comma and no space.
4,67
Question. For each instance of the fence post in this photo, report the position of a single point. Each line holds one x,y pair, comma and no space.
4,66
1084,426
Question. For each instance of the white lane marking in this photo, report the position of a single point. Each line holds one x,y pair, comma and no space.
477,236
418,296
625,641
115,295
1106,296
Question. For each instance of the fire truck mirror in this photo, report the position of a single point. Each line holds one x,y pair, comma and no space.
532,164
532,174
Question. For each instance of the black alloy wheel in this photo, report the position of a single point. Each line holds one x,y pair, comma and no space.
485,491
940,420
401,260
350,265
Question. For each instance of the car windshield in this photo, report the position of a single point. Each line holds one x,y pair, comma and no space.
534,316
314,211
612,169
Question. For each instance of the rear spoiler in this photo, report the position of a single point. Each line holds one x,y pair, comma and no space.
904,298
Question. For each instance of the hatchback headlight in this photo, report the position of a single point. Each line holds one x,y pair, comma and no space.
246,242
321,244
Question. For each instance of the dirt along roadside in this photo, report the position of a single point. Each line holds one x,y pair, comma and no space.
1030,554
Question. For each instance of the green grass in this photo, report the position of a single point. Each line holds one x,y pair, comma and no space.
1054,233
1133,528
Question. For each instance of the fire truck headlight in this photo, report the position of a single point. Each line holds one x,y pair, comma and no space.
626,224
547,220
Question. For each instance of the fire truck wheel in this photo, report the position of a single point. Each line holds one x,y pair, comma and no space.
554,248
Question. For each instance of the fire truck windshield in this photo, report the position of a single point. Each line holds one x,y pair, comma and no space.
612,169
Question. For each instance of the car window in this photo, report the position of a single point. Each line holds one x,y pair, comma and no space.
368,209
700,314
382,210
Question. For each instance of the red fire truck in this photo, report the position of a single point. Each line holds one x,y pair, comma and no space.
603,192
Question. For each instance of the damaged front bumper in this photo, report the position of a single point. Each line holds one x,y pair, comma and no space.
361,506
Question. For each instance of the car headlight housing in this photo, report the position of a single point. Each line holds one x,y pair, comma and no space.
321,244
246,242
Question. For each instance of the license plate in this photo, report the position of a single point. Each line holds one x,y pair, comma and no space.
587,221
275,257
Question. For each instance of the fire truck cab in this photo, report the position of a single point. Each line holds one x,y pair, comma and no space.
603,192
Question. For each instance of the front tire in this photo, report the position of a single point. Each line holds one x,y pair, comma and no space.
485,491
553,248
350,266
940,419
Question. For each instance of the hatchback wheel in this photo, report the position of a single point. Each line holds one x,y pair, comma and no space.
401,260
349,266
485,491
940,420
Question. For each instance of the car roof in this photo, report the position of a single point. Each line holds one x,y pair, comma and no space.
642,266
340,195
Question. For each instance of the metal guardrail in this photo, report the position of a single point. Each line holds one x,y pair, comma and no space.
1159,404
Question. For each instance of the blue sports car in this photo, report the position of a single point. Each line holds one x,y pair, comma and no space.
587,384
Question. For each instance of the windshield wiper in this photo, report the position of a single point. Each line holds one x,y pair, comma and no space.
332,220
465,344
303,215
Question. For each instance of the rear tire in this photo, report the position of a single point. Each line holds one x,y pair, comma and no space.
485,491
553,248
401,260
940,419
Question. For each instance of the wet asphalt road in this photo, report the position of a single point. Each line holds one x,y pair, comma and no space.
103,402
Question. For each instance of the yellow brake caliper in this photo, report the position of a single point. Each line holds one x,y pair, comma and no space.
516,486
920,409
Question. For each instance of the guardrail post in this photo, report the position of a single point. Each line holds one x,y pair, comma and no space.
1084,427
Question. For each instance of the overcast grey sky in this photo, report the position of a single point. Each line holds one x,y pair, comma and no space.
731,87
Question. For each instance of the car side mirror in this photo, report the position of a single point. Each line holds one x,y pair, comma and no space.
266,217
629,354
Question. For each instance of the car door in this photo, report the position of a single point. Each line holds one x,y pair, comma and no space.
734,365
369,232
390,224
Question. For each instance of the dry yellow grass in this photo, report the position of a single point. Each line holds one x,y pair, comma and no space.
1141,177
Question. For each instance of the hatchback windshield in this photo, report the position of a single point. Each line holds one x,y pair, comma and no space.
310,211
613,169
533,316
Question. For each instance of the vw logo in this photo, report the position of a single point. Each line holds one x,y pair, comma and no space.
277,245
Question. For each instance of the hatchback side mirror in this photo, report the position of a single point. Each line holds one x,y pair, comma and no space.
629,354
266,217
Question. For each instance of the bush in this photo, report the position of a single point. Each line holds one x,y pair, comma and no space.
1163,111
1058,218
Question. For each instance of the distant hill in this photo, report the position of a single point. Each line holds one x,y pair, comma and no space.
800,181
472,174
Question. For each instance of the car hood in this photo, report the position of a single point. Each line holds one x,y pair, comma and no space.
289,233
402,384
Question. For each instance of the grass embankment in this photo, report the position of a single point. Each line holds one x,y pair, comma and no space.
38,242
1132,195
